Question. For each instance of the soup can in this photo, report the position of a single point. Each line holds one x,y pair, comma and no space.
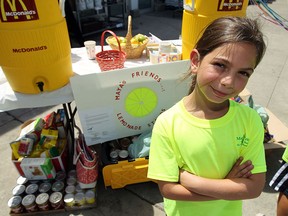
72,173
32,188
78,188
71,181
29,203
80,199
21,180
69,199
70,189
58,186
60,176
19,190
56,200
45,187
15,204
90,196
42,201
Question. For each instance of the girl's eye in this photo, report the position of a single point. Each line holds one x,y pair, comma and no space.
220,65
245,73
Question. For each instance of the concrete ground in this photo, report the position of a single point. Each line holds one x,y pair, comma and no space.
268,86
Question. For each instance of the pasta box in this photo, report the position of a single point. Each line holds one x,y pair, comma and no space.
38,168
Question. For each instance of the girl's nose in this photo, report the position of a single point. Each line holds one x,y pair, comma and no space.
228,81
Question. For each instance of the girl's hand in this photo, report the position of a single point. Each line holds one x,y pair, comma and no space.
240,171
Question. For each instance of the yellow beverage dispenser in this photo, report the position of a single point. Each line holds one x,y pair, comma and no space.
35,53
197,14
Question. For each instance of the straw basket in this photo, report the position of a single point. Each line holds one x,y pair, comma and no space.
132,51
110,59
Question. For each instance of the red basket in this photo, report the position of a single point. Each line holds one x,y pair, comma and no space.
110,59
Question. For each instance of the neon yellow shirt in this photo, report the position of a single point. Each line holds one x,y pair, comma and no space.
285,155
207,148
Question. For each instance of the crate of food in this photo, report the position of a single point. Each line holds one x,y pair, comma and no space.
40,139
122,168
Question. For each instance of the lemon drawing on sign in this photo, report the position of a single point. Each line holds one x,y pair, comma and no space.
140,102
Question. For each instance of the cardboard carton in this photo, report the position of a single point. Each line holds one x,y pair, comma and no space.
38,168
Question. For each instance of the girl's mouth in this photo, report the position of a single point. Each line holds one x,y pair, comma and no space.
219,93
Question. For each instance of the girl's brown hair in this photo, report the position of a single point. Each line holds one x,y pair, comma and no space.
229,30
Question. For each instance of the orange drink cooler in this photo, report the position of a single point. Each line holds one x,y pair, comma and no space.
198,14
35,53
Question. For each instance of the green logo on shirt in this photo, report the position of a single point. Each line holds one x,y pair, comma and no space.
242,141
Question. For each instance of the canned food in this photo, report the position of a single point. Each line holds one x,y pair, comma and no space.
32,188
42,201
72,173
70,189
58,186
114,156
45,187
19,190
123,154
29,203
90,196
124,143
15,205
80,198
71,181
69,199
60,176
78,188
56,200
21,180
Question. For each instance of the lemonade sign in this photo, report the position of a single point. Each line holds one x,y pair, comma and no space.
126,102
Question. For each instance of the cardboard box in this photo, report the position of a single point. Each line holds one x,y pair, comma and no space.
279,132
275,126
60,163
38,168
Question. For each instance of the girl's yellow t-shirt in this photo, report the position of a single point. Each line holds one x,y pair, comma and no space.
206,148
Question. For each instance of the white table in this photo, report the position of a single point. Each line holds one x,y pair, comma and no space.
81,65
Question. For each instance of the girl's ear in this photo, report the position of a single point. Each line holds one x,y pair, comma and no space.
195,60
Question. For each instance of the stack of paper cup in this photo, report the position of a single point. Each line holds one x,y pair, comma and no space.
90,48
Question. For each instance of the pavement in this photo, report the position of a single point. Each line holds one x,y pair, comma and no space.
268,86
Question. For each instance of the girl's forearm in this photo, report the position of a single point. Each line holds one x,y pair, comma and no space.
228,189
176,191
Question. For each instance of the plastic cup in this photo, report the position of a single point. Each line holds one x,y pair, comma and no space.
90,48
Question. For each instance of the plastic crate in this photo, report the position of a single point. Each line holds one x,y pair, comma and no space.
126,172
122,173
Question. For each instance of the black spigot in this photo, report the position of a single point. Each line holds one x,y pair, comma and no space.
40,86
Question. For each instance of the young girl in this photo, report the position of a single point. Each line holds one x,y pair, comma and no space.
197,146
279,183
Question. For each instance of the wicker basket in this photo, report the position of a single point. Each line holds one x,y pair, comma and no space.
110,59
131,51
